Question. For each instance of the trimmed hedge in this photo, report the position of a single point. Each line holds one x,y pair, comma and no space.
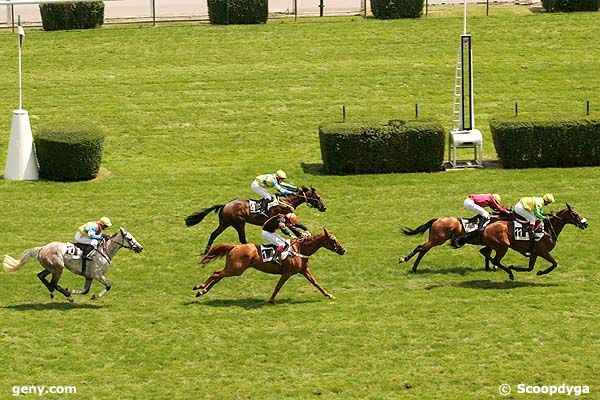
224,12
64,16
530,143
571,5
69,154
393,9
398,146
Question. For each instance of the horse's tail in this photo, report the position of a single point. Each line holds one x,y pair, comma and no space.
199,216
12,265
419,230
215,252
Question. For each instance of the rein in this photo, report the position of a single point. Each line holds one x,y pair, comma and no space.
121,245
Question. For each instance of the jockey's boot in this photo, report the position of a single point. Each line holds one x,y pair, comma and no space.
531,230
264,207
482,221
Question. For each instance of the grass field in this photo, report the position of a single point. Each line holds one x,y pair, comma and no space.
193,112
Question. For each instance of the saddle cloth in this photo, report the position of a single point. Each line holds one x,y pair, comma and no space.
471,224
255,205
267,252
73,251
521,231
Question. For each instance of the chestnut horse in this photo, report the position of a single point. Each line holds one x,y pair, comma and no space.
237,213
499,237
440,230
244,256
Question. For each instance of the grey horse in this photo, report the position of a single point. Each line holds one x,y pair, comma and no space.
55,256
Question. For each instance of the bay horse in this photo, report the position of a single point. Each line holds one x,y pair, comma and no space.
53,258
244,256
440,230
237,213
499,237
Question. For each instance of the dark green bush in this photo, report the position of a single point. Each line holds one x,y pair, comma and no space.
63,16
399,146
530,143
225,12
392,9
571,5
69,154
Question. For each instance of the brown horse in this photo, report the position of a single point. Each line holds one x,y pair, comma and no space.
244,256
237,213
499,237
440,230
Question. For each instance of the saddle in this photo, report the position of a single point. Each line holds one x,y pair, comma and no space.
521,231
471,224
268,251
256,206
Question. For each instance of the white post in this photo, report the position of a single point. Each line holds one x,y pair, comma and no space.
465,17
20,161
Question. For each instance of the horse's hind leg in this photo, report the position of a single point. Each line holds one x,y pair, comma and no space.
496,261
409,256
235,269
214,235
54,283
42,277
102,279
241,230
280,283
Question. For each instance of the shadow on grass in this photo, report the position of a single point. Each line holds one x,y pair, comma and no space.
455,270
247,303
312,168
51,306
487,284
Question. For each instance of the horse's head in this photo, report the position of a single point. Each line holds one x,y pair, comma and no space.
331,243
129,242
313,199
574,218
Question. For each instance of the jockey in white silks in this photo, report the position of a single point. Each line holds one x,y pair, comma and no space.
91,234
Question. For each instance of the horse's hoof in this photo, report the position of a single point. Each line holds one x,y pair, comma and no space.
200,293
70,299
539,273
331,296
401,260
93,297
52,295
511,276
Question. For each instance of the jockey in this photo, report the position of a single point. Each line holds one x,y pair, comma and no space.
282,222
276,180
475,203
530,208
91,234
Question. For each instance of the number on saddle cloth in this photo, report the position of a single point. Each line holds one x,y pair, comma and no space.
74,250
268,251
521,231
470,224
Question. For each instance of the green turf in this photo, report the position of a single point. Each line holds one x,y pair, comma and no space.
193,112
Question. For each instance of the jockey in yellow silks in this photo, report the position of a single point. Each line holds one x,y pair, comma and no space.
530,208
261,183
90,233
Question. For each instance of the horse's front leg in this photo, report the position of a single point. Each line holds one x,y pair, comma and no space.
214,235
548,257
42,277
308,275
496,261
102,279
532,260
86,287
